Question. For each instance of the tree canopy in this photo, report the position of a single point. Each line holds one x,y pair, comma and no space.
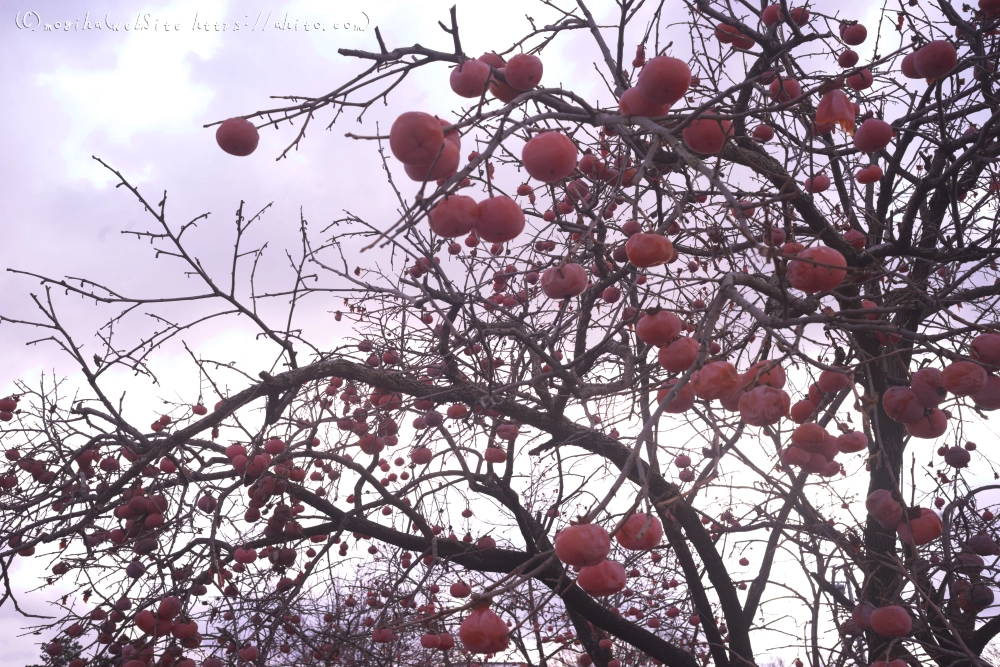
688,374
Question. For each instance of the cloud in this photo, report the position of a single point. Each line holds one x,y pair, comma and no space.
150,88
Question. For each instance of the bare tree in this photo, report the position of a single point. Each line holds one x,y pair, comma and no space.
569,435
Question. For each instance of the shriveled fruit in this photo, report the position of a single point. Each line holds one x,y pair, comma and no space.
817,183
957,457
763,132
963,378
985,348
707,136
927,384
682,401
930,426
647,250
785,89
563,282
605,578
835,107
549,156
658,328
983,545
935,59
715,380
891,621
640,532
762,373
849,443
416,138
826,274
853,34
495,455
455,215
469,78
802,410
250,653
633,103
861,80
483,631
973,597
237,136
870,174
664,80
764,406
922,529
582,544
809,437
902,405
443,166
884,508
500,219
873,135
988,398
848,58
523,71
679,355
